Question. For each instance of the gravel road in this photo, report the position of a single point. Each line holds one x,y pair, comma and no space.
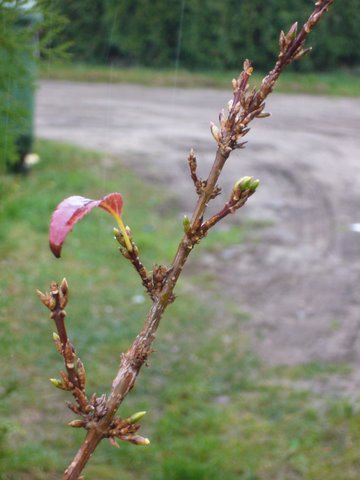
299,275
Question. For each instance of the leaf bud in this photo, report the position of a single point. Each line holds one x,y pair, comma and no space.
301,52
69,355
125,253
57,342
47,299
254,185
77,423
64,287
113,442
282,41
129,232
292,32
117,233
136,417
186,224
137,440
57,383
263,115
243,183
81,373
215,132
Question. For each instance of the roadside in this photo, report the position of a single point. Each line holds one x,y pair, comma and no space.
336,83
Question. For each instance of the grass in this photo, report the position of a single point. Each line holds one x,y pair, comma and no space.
312,370
214,410
337,83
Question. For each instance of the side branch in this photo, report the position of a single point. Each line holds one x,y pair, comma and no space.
243,189
74,378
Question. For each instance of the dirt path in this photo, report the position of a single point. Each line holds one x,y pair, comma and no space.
300,276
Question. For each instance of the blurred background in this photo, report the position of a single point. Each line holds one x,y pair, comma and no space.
256,371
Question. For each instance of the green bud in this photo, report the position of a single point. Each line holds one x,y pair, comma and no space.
57,342
254,185
136,417
57,383
56,337
243,183
186,224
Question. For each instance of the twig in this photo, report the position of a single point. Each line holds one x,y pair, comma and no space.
133,256
199,184
74,378
91,411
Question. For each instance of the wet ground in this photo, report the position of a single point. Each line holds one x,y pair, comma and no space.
299,275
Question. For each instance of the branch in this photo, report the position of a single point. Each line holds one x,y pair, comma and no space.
242,110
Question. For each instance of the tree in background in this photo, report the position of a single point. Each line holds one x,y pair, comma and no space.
214,34
85,28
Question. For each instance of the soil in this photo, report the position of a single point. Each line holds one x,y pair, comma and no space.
299,275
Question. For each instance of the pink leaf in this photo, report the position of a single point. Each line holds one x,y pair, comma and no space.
112,203
73,209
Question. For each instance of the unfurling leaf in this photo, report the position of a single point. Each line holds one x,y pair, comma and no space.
73,209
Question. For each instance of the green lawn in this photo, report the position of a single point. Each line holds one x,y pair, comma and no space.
338,83
214,410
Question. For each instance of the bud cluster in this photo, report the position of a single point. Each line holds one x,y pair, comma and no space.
124,242
57,297
246,185
287,44
152,281
242,190
242,109
126,430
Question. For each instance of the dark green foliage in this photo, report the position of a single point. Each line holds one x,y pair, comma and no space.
25,30
143,31
215,35
85,29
